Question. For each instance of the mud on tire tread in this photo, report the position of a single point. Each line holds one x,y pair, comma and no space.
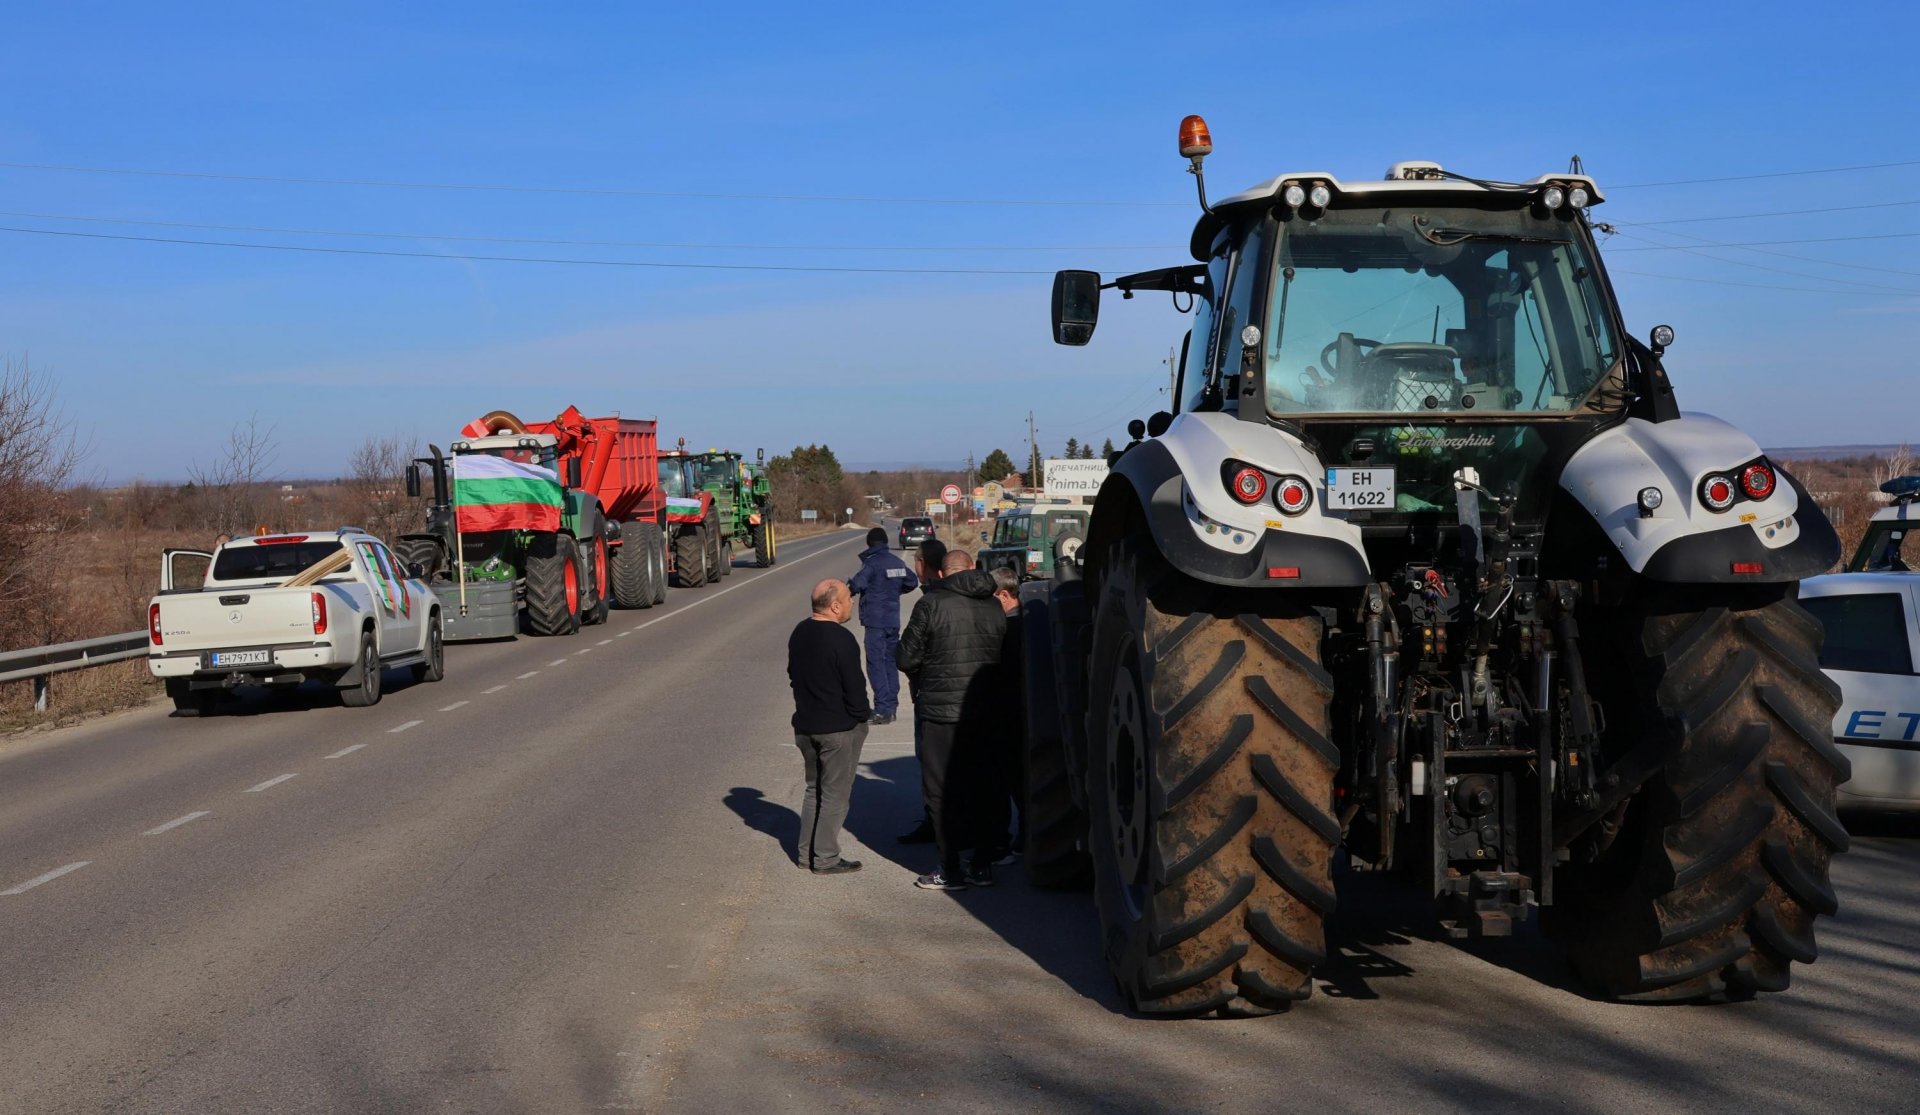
1238,865
1721,866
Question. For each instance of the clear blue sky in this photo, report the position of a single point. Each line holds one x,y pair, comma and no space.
157,349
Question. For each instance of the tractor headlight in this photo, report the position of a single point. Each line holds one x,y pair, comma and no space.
1553,197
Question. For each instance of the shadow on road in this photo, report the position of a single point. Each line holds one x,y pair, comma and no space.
308,696
770,817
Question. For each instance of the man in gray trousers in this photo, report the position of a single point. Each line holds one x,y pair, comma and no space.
830,714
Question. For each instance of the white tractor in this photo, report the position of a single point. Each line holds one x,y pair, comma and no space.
1424,562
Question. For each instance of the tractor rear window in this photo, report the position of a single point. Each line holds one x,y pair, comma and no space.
1866,632
247,563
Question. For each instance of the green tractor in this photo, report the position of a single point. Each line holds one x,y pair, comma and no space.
742,498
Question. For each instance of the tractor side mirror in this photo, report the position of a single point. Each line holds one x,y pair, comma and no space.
1158,422
413,481
1076,306
573,472
1659,339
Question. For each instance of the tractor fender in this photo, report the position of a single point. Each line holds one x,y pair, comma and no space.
1784,535
1175,484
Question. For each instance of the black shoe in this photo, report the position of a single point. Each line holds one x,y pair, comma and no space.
922,834
839,868
1004,857
938,880
980,875
882,720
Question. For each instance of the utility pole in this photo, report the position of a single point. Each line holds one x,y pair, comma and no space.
1033,452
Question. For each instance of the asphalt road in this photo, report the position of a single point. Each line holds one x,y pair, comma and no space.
561,880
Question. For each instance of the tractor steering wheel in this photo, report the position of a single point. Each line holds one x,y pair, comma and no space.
1342,357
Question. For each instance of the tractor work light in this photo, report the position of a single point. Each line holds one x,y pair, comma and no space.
1292,495
1717,492
1578,197
1248,484
1319,196
1553,197
1650,501
1757,481
1294,194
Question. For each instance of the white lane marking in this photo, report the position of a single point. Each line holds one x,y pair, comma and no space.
47,878
624,634
526,675
454,705
558,662
404,727
578,653
176,822
603,642
269,783
495,689
739,584
346,751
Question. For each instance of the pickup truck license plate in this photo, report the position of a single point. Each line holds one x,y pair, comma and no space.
242,657
1360,489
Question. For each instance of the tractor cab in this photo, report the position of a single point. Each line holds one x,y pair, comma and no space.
1892,541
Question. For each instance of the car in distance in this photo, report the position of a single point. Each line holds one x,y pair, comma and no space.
915,529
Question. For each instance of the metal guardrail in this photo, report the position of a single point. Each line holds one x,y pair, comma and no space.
40,663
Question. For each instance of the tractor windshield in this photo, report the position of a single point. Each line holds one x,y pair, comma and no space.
714,471
673,476
1436,311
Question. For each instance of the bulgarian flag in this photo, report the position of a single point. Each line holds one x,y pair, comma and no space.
493,493
682,509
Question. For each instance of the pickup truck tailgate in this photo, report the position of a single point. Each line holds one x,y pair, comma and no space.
235,619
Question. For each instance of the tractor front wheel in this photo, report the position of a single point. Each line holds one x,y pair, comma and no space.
690,556
763,543
553,585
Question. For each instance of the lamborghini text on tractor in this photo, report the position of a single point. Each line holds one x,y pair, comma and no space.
1427,563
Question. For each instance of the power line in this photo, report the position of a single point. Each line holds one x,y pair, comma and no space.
1704,253
1765,174
281,231
592,191
316,249
1770,243
1757,286
1704,241
1774,213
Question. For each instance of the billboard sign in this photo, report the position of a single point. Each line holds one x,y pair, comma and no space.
1065,479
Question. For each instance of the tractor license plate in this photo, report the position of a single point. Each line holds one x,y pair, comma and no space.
242,657
1360,489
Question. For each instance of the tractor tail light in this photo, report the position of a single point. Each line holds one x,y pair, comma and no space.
319,613
1757,481
1248,484
1748,568
1283,572
1292,495
153,624
1717,492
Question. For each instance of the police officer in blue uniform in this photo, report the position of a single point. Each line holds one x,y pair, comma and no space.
879,584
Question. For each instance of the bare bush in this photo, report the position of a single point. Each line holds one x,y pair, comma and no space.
38,455
375,495
227,491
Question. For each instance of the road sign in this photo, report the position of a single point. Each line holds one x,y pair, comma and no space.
934,507
950,494
994,492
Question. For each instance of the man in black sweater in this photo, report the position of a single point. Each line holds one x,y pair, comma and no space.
948,651
830,714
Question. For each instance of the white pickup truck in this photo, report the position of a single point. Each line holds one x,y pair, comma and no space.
245,626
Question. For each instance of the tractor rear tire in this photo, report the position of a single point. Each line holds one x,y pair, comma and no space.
553,585
763,544
423,552
656,543
716,554
726,558
1056,826
633,572
1209,790
690,557
1720,866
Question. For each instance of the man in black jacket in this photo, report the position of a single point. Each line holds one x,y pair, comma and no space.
948,652
830,714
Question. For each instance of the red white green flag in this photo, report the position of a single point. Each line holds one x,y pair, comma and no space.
494,493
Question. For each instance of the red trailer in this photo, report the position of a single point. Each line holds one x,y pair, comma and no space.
619,464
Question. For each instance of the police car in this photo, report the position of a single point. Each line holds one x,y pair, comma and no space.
1872,616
